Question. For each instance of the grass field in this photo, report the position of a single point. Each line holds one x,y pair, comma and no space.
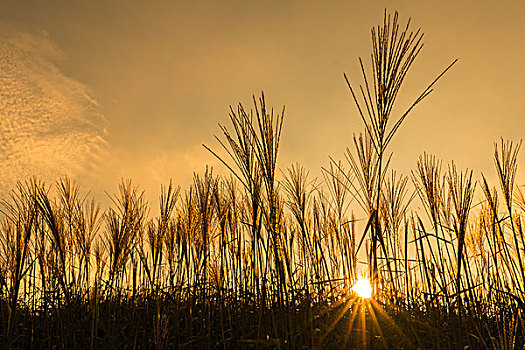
267,259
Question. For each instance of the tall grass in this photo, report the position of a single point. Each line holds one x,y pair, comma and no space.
394,50
266,259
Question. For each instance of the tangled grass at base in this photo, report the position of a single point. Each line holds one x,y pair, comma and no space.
258,260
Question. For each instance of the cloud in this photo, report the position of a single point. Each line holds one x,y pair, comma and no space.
50,125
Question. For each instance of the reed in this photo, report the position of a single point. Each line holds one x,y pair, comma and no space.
394,50
266,259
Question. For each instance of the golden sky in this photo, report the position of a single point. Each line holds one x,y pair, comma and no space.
150,80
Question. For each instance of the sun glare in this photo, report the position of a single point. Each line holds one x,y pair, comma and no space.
363,288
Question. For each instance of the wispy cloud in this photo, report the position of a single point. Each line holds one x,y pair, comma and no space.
50,125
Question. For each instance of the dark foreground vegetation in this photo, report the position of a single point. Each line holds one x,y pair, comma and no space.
263,259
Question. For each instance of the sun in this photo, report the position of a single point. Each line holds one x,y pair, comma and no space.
363,288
